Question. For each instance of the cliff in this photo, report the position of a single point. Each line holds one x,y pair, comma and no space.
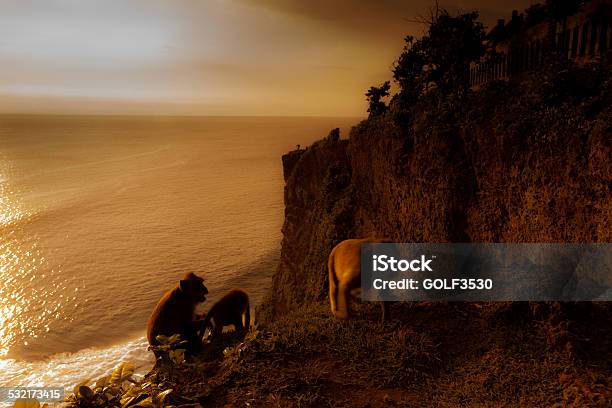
523,162
318,214
514,162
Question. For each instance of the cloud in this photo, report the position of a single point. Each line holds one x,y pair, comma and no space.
238,56
367,14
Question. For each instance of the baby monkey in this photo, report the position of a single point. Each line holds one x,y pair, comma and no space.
231,309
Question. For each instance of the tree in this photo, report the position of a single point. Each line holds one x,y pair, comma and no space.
408,71
452,44
374,96
442,57
535,14
561,9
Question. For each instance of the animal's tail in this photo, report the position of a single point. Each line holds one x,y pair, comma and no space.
247,316
333,283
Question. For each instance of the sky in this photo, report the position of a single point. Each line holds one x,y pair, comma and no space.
206,57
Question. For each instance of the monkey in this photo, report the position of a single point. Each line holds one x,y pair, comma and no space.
344,266
174,313
229,310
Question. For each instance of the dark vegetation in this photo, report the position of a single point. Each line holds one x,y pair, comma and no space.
521,161
375,96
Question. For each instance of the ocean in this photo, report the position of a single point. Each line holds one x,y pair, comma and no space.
100,215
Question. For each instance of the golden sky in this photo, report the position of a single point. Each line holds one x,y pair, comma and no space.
205,57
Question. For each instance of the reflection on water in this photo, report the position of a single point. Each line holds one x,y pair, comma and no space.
30,300
9,211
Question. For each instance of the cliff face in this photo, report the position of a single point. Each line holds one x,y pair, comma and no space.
513,164
318,214
487,182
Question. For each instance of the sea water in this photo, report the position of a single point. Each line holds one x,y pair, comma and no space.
100,215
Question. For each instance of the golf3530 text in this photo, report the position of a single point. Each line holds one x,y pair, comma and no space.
433,284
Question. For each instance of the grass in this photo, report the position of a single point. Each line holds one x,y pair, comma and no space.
431,354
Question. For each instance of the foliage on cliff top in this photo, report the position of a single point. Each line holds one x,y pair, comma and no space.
439,60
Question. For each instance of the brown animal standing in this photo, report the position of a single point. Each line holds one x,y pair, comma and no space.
229,310
174,313
344,267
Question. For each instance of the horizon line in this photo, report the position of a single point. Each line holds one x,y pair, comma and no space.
186,115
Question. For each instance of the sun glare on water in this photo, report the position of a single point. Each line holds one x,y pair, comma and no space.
37,305
30,293
9,308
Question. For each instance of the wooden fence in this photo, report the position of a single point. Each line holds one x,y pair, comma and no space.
581,42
